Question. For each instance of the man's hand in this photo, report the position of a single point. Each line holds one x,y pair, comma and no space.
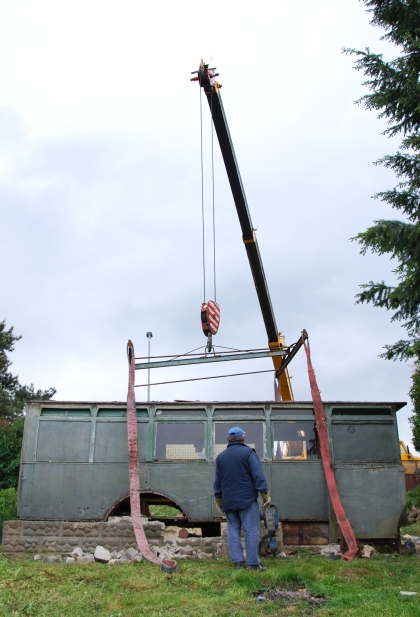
266,497
219,504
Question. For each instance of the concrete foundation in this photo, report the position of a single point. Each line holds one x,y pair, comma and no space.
64,536
26,537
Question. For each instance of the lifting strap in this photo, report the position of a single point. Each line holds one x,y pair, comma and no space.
321,425
133,464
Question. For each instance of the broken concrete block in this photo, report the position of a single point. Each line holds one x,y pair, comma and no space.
131,552
70,560
77,552
37,557
114,562
51,559
368,551
89,558
330,549
102,554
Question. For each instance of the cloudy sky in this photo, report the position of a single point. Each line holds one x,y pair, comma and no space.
100,192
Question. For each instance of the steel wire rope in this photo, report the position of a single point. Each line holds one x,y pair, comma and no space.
212,181
163,383
218,346
202,195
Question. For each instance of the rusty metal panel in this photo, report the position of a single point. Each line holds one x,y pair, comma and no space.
188,484
110,441
63,441
373,498
411,481
355,440
25,489
298,489
305,533
78,492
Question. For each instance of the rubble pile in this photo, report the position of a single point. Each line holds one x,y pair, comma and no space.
101,555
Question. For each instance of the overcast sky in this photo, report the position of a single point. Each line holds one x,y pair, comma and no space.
100,191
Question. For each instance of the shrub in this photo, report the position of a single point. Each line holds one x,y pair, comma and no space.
8,506
10,446
413,498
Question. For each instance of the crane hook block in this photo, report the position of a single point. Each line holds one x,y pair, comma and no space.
210,317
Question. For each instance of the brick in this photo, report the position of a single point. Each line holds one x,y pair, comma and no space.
125,544
89,544
188,541
111,544
58,545
12,528
102,554
118,530
81,530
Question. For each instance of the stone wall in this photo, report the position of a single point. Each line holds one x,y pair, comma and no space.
20,537
64,536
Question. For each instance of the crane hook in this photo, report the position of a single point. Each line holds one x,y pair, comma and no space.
210,320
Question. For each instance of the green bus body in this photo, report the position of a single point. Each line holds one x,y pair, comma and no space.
74,461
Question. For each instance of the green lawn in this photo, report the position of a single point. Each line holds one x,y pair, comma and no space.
208,588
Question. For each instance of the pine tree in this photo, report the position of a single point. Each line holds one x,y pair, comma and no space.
394,91
13,395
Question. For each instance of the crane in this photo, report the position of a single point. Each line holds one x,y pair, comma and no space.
207,79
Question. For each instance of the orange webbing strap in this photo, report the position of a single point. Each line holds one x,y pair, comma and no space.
133,465
321,425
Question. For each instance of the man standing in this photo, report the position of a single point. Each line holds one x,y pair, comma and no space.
239,478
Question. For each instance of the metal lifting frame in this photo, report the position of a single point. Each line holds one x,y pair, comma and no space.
286,354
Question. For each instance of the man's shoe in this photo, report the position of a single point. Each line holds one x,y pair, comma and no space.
258,567
239,565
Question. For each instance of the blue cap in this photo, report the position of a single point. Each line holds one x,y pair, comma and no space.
236,432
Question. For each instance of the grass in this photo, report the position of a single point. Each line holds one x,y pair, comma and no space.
165,511
365,588
412,530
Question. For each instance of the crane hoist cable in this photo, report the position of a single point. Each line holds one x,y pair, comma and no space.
210,310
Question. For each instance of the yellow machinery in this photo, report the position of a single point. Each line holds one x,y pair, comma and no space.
412,467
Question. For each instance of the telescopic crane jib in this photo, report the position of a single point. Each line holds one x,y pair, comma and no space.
207,79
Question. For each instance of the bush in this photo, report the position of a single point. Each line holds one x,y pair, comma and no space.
413,498
8,506
10,447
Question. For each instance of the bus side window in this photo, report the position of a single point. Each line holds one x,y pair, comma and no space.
295,441
254,436
180,441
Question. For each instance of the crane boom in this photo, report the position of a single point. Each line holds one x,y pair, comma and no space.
206,79
248,232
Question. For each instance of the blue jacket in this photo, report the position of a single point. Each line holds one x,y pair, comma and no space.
239,477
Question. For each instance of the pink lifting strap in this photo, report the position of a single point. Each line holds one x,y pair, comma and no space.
133,464
321,425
